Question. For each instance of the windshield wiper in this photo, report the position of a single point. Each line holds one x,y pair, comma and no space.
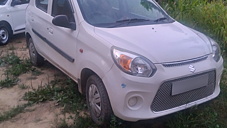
127,21
132,20
160,19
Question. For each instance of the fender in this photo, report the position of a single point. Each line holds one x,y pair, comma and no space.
100,64
100,67
96,55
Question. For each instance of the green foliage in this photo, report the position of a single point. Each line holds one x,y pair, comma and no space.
62,91
209,17
78,122
63,124
8,82
12,113
220,104
208,115
83,122
40,95
9,59
19,68
36,72
115,122
202,117
11,47
23,86
14,67
65,93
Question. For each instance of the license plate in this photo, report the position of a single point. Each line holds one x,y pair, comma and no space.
189,84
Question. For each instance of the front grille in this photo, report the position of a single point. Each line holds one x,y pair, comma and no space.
180,63
164,100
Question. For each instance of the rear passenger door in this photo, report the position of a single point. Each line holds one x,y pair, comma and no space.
38,17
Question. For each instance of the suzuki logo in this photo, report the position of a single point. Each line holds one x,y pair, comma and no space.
192,68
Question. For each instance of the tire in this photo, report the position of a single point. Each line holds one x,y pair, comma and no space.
35,58
98,101
5,33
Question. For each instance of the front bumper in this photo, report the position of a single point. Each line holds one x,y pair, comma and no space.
137,98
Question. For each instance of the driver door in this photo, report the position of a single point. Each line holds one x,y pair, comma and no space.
62,41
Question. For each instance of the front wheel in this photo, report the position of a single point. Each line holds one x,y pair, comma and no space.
35,58
5,34
98,101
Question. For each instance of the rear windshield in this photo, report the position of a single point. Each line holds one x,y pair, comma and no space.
3,2
120,13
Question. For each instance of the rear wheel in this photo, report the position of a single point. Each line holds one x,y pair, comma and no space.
98,101
5,33
35,58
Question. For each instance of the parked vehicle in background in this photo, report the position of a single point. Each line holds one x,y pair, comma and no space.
129,57
12,18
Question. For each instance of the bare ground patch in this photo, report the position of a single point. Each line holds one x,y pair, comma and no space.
38,116
43,115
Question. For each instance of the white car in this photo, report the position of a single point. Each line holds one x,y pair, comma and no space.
12,18
129,57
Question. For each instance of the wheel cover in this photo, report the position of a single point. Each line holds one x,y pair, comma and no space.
94,100
4,35
32,52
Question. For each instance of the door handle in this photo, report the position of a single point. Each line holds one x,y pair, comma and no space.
32,18
50,30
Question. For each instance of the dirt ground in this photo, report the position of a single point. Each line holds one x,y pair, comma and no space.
45,115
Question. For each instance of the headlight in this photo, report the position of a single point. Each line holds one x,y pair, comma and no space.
133,64
216,51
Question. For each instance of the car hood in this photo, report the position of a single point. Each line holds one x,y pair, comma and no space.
159,43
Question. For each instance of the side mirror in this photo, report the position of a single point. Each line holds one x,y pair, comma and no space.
62,21
15,2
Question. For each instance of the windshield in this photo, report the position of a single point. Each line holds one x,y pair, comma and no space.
3,2
120,13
